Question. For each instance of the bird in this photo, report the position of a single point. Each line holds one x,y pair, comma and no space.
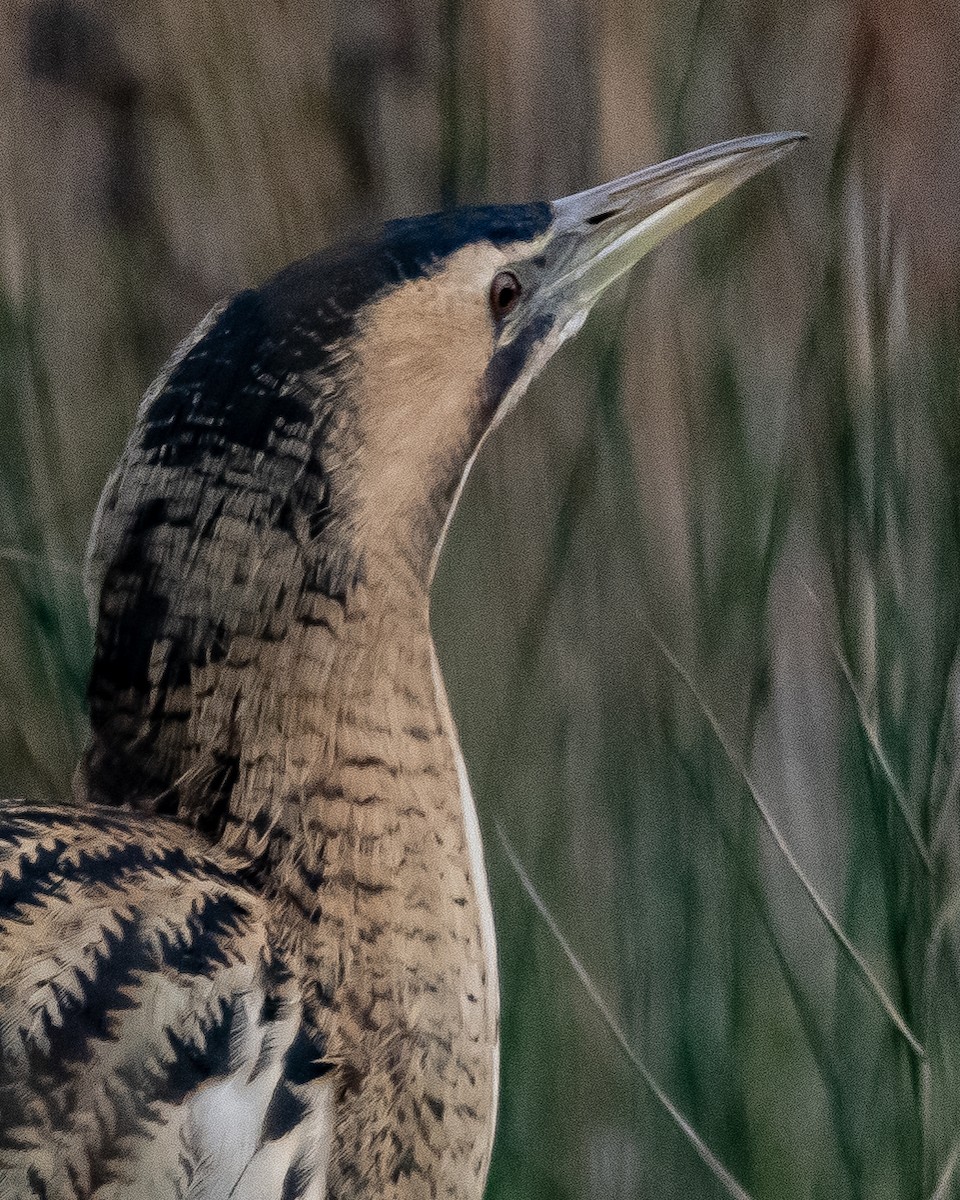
252,956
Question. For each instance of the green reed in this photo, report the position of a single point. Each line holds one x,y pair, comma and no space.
712,714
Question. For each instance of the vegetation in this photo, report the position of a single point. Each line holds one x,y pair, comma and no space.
699,610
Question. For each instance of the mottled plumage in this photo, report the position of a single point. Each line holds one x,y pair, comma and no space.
255,958
153,1040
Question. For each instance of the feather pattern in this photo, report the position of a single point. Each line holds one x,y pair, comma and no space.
153,1043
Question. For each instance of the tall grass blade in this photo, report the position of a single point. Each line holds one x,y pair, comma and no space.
731,1185
872,736
942,1190
831,922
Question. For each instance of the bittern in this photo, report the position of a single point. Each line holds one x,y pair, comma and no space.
256,958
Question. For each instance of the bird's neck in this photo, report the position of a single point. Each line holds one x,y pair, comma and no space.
341,726
326,757
242,720
316,742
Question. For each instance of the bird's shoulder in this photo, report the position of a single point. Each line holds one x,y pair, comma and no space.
153,1040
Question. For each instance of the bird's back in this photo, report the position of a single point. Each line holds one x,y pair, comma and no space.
152,1042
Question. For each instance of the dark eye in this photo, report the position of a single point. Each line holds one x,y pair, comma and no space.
505,292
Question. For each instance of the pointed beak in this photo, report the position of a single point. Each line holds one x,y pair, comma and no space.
598,235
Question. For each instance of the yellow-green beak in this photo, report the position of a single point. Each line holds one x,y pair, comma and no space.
598,235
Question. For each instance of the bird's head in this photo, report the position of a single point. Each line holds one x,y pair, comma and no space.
307,443
350,392
449,317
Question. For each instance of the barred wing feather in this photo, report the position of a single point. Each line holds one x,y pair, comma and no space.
152,1040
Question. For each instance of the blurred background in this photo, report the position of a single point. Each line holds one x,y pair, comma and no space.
698,612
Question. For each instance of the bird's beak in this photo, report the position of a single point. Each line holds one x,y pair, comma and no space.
598,235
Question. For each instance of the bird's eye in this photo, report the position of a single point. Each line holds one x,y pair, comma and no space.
505,292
